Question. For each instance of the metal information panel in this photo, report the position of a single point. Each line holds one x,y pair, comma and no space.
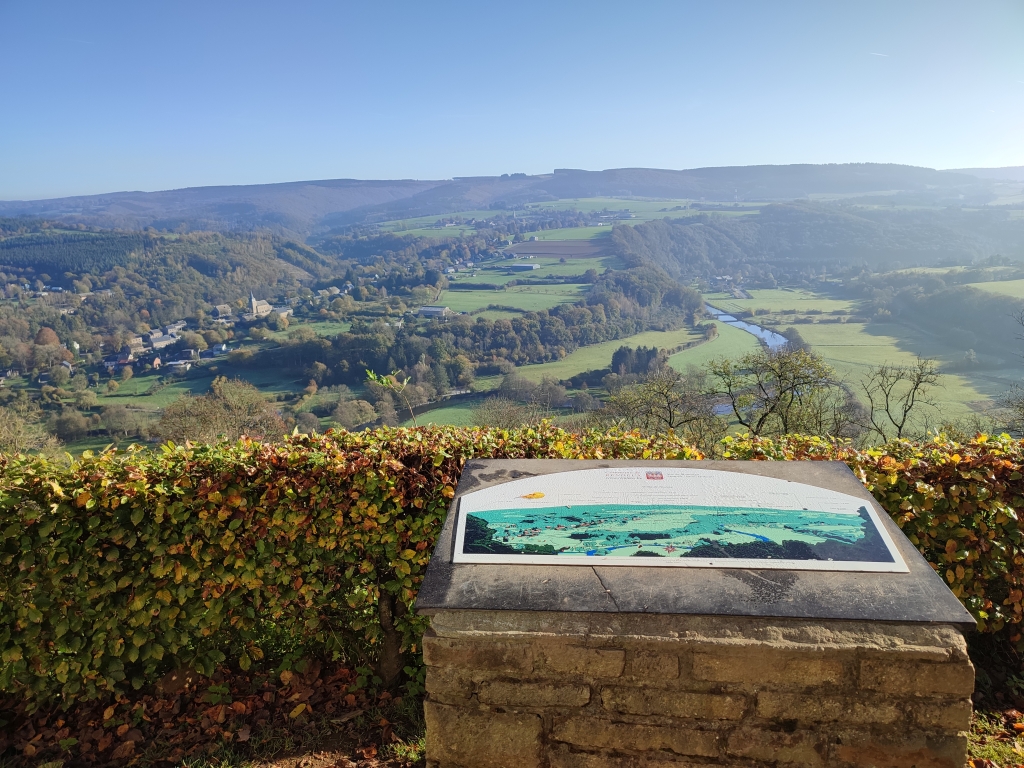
672,516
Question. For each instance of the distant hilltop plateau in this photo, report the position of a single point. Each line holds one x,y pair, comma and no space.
309,207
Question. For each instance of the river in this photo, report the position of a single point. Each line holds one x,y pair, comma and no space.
771,339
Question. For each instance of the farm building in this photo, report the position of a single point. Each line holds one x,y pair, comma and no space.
524,267
441,312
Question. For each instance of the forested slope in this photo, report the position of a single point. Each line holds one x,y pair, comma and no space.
784,241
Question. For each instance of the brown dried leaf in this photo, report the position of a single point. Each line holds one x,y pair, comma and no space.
123,750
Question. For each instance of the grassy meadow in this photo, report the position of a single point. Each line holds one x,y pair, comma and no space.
781,302
641,210
600,355
528,298
499,273
1014,288
458,414
730,342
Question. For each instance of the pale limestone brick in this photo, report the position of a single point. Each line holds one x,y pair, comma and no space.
466,738
804,748
947,715
608,734
563,757
653,667
477,654
815,708
918,752
670,703
448,685
756,667
917,678
578,660
506,694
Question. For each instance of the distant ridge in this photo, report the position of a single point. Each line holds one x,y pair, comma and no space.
1007,173
306,207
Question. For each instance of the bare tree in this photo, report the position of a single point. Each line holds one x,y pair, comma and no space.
783,391
353,413
230,409
666,400
896,395
19,435
503,413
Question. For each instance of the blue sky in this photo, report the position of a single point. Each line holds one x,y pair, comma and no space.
107,96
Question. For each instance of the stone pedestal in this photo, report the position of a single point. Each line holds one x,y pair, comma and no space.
588,665
569,690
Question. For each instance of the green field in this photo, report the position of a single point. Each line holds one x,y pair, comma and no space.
730,342
573,233
852,348
437,234
321,328
498,273
528,298
459,414
1014,288
598,356
779,299
423,226
497,314
132,393
641,210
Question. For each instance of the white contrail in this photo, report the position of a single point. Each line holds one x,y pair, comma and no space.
886,55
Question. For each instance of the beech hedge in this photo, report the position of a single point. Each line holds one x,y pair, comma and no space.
123,565
959,503
120,566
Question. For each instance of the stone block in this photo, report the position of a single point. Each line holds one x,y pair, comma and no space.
948,716
567,659
917,678
506,694
608,734
563,757
805,708
464,738
494,656
655,667
448,685
942,752
804,748
763,665
670,703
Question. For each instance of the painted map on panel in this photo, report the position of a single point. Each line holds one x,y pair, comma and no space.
668,516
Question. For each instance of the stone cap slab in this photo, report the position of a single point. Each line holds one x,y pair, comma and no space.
917,596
